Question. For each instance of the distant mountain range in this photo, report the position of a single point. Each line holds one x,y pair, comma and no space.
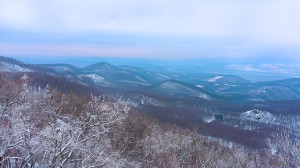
189,84
187,99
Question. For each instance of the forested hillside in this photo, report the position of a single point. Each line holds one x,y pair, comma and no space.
49,128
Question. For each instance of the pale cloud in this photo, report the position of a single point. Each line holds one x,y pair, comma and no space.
294,65
277,68
249,68
18,14
258,21
264,68
271,66
71,50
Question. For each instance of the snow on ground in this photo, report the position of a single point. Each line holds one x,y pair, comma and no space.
61,69
199,86
140,79
175,88
258,115
96,78
290,122
214,79
229,85
208,119
12,68
162,75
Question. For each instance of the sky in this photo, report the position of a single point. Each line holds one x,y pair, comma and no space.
267,31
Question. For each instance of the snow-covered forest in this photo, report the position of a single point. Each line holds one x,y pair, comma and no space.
44,127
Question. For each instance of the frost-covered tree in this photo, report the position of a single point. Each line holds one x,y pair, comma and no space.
49,128
285,148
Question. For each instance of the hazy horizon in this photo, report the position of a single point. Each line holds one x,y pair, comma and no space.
257,36
249,69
